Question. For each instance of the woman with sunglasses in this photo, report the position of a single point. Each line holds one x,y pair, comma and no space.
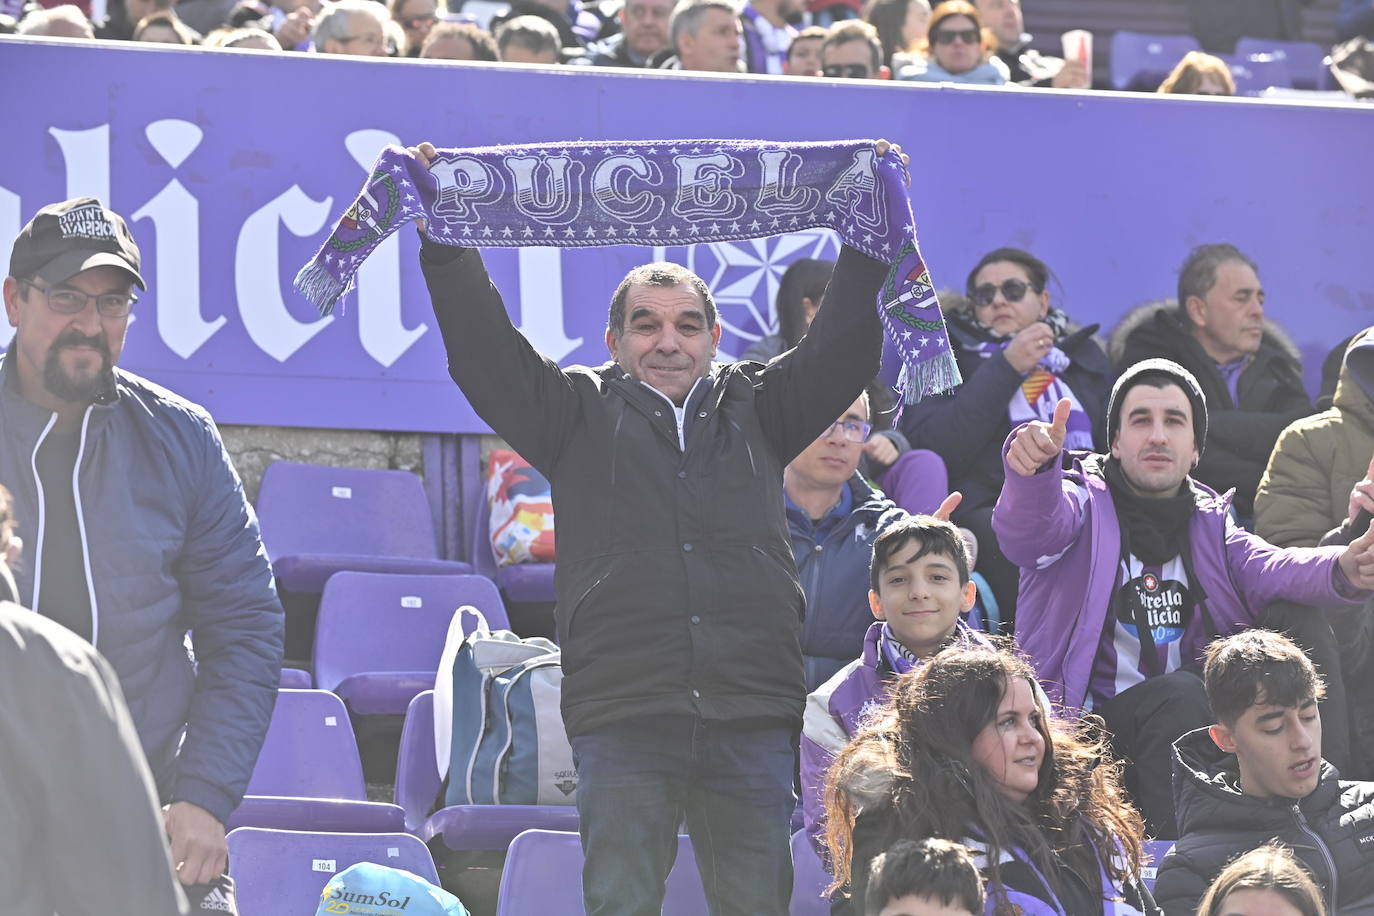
1018,355
967,751
957,49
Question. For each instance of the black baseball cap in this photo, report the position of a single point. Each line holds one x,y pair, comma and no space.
64,239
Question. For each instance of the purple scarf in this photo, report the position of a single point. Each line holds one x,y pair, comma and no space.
656,192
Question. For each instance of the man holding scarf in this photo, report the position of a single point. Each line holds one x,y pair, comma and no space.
1129,568
679,607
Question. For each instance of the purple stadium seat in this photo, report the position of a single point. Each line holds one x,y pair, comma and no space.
295,679
317,521
462,827
1140,61
282,872
809,879
918,481
1257,72
308,775
1155,850
543,877
1305,60
379,635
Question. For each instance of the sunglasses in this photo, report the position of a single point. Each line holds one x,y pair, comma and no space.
846,71
1012,291
949,36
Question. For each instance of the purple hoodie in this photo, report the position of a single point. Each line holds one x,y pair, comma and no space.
835,710
1061,528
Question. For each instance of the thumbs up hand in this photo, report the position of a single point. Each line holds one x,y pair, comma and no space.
1357,560
1362,495
1038,442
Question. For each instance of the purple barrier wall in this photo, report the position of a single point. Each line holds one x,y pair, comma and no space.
231,166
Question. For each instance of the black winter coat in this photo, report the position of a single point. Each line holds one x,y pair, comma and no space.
968,426
1239,436
1331,830
677,591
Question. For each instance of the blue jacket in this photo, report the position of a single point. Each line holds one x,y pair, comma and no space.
834,575
171,546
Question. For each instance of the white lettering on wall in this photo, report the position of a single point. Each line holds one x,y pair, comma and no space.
380,329
175,215
258,272
86,154
541,302
9,228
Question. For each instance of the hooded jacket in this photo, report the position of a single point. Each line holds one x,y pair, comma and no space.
835,710
1240,435
171,545
1060,526
834,576
1305,489
1331,830
677,591
966,427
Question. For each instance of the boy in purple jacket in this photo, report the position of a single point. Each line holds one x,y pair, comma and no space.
920,585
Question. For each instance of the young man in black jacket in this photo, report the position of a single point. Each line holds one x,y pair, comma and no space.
679,608
1258,775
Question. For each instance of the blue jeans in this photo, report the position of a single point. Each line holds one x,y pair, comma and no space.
733,783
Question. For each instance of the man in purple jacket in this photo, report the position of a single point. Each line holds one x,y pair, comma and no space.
1129,567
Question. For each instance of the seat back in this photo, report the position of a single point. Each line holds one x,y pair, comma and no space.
306,508
809,879
1141,61
282,872
393,622
417,768
310,750
543,877
1155,851
1304,59
1255,73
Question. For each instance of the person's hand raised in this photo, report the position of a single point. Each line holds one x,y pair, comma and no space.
425,153
880,150
1362,495
1038,442
1030,345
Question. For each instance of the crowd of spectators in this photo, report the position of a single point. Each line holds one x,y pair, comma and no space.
960,41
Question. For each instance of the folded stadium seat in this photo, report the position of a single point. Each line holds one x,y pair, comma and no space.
1305,60
543,877
379,635
308,775
461,828
282,872
1255,73
1155,851
317,521
1140,61
809,879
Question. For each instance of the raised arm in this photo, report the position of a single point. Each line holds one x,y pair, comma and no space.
1036,516
523,395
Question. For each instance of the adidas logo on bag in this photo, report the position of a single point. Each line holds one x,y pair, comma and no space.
216,901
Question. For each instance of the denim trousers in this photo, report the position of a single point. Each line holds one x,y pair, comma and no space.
731,781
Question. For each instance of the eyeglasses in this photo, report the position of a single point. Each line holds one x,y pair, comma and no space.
1012,291
66,301
852,430
949,36
846,71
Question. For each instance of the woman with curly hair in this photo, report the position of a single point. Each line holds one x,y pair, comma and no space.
966,751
